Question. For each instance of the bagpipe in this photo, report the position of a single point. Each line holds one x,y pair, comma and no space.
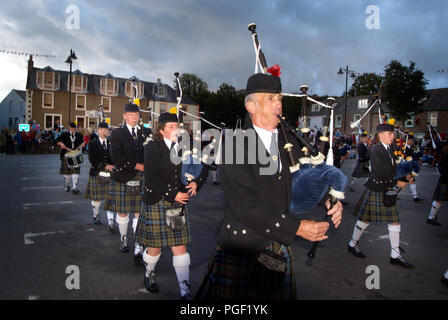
312,177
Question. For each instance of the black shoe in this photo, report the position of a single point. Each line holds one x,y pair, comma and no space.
111,226
67,189
444,281
418,199
351,189
96,220
151,283
401,262
75,191
124,244
215,183
138,257
433,222
188,295
356,251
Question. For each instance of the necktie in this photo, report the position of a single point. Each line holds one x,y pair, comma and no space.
172,145
273,150
133,134
104,145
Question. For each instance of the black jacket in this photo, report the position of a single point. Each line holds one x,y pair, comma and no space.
126,153
382,175
443,168
162,176
363,153
65,139
257,206
98,157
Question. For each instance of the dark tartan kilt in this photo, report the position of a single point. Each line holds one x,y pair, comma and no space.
95,190
441,192
65,170
232,277
371,208
153,232
361,170
118,200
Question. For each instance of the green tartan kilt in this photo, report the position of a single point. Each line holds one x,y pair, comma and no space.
95,190
118,200
361,170
441,192
234,277
153,232
371,208
65,170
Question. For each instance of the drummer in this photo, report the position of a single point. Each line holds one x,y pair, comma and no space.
70,141
99,174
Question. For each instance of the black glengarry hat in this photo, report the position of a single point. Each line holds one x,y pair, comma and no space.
130,107
168,117
103,125
384,127
72,125
265,83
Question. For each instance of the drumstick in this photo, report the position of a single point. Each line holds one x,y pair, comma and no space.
312,252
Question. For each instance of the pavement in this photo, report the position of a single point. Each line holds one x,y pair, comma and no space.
46,233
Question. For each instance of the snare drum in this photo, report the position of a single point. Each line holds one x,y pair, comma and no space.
74,159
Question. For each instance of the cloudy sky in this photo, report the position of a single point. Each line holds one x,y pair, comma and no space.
309,39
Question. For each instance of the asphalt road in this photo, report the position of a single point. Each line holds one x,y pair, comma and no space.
44,231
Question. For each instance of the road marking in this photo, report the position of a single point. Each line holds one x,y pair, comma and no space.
42,188
31,178
27,205
27,236
386,237
33,297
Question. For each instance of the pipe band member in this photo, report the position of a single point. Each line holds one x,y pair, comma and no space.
410,151
378,202
164,220
126,183
68,141
99,174
257,227
441,190
362,166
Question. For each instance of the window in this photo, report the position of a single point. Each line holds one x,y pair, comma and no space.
409,123
338,121
80,102
161,91
81,122
315,107
432,118
105,102
363,103
109,87
356,117
79,83
162,108
47,80
50,119
47,100
130,91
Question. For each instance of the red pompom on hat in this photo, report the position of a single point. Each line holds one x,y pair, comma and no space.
275,70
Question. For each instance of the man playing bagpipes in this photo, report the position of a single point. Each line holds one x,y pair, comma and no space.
411,154
99,174
378,202
69,142
362,167
253,259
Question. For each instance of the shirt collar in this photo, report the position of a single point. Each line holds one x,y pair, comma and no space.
168,143
265,136
130,128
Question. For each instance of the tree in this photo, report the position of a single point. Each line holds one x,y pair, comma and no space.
192,85
365,84
226,105
403,89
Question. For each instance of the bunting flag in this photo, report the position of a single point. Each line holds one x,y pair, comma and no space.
19,53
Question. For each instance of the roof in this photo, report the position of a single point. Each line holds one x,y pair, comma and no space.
93,85
21,93
436,100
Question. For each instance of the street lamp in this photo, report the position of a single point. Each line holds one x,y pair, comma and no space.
69,60
352,75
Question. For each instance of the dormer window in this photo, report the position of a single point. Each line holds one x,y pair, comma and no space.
161,91
47,80
130,91
109,86
79,83
363,103
315,107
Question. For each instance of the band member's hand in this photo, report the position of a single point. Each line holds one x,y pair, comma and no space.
182,197
193,187
410,177
110,167
139,167
62,145
335,212
312,230
401,184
